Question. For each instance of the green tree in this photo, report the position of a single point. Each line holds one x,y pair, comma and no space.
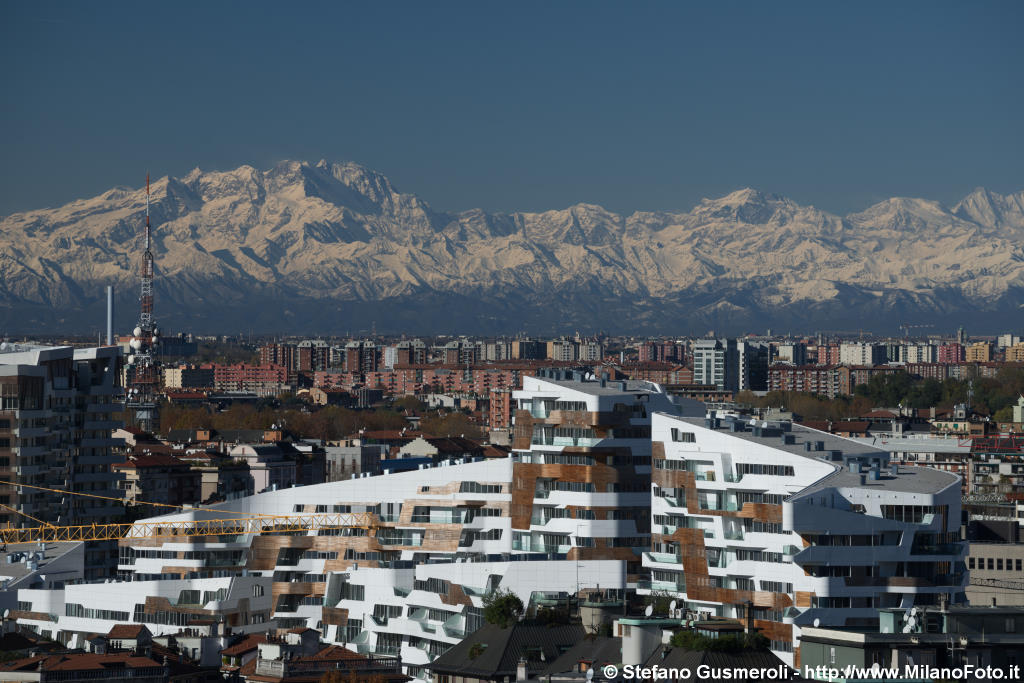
502,607
1004,414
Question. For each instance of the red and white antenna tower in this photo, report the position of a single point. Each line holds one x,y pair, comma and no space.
142,367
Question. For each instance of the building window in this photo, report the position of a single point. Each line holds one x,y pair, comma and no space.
771,470
257,591
683,437
970,563
831,655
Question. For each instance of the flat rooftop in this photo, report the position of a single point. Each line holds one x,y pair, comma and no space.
612,387
801,435
18,569
911,479
908,479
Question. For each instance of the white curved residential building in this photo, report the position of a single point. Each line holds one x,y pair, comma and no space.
797,524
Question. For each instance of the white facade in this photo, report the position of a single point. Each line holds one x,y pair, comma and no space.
70,614
420,611
919,353
449,522
860,353
780,520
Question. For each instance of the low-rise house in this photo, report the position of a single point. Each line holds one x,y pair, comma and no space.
158,479
492,653
73,667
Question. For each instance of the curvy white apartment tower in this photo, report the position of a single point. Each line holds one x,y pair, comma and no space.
797,525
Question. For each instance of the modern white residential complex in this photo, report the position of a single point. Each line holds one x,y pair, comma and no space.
798,525
567,515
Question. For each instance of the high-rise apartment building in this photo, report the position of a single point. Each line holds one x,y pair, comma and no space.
561,350
716,362
919,353
951,353
56,419
979,352
313,355
1015,353
189,377
752,360
405,353
529,349
57,408
589,351
1005,341
799,526
461,352
279,354
361,356
792,353
862,353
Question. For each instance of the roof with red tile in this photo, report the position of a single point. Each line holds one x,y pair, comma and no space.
149,460
80,661
248,645
125,631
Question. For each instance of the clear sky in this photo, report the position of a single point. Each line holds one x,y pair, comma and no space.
521,105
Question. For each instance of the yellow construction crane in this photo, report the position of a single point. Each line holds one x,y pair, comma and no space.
246,523
265,524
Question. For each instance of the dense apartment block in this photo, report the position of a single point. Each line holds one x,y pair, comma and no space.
861,353
405,353
262,380
189,377
361,356
461,352
279,354
665,352
822,380
797,525
313,355
979,352
951,353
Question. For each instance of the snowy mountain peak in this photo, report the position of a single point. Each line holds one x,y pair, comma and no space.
327,244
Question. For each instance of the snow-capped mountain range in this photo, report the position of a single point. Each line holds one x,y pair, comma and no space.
330,247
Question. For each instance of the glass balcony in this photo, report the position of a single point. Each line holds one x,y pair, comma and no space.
665,558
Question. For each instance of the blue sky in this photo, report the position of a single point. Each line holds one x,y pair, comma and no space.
521,106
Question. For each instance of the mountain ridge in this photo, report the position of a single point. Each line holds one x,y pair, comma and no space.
328,247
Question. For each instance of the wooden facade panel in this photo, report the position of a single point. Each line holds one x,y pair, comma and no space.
335,616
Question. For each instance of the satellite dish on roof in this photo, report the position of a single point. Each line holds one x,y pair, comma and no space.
649,611
817,623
